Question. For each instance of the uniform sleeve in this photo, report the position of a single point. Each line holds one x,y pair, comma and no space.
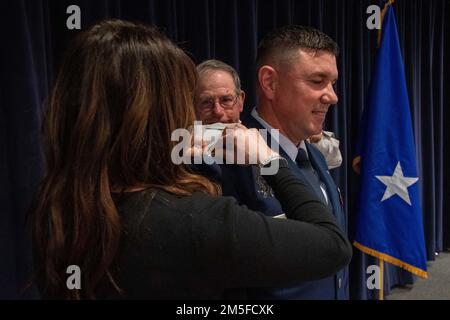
243,248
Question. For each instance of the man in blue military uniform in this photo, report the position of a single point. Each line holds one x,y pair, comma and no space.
296,71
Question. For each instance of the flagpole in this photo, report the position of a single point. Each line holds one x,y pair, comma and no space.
381,290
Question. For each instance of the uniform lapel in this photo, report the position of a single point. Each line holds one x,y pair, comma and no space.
325,177
253,123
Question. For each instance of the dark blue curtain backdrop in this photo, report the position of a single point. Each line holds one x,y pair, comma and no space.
34,36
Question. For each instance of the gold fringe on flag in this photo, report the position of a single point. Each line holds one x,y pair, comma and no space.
387,258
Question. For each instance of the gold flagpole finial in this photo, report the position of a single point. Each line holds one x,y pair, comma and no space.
383,12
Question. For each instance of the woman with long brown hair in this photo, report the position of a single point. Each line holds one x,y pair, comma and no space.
137,225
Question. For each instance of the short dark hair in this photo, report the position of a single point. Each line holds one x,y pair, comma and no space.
285,40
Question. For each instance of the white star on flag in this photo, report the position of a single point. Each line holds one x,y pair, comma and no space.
397,184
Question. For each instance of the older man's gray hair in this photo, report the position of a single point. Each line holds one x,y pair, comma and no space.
212,65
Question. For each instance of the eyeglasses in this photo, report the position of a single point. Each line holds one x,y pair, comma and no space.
227,102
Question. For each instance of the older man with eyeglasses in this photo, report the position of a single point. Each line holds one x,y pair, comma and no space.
218,97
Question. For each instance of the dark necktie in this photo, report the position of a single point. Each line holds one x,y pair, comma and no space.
309,172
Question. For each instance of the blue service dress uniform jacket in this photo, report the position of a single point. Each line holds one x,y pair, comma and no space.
244,184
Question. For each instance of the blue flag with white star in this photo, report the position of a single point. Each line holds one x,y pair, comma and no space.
389,221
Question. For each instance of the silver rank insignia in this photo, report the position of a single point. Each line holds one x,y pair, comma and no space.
263,188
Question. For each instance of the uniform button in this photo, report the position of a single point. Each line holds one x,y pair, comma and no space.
339,283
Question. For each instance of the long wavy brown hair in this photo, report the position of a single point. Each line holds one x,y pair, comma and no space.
121,91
